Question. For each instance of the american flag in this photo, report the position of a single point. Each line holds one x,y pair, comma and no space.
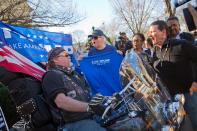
15,62
21,47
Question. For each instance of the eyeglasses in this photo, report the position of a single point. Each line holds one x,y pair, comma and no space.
64,55
137,41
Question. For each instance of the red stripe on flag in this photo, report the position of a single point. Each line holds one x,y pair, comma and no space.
13,61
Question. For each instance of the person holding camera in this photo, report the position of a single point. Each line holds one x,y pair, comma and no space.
123,44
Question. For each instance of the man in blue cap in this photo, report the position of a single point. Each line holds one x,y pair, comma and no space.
99,44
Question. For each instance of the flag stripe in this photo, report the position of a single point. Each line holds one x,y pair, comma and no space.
13,61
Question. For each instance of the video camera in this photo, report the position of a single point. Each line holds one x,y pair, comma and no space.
121,35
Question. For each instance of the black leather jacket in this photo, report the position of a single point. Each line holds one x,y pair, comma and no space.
173,64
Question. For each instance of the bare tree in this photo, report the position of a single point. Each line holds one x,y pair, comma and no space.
39,13
169,11
111,29
15,12
79,37
137,14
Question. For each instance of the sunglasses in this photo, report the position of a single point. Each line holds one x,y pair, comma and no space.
95,37
64,55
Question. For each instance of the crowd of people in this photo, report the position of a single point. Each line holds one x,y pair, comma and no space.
171,53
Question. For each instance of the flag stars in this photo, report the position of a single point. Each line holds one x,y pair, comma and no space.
41,45
41,37
46,38
28,35
35,36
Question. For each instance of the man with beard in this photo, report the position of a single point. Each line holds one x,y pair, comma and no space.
172,63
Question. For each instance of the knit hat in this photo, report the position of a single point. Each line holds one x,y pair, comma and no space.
54,52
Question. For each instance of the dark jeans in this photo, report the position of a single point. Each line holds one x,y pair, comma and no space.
190,107
83,125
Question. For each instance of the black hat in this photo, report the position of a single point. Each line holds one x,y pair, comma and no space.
54,52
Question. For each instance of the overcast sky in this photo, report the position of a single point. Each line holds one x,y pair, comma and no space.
97,12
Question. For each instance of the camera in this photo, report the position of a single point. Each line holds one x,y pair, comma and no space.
121,35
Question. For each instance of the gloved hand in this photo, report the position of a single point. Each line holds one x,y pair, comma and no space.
95,105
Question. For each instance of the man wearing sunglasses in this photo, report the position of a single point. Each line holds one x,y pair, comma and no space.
99,44
68,94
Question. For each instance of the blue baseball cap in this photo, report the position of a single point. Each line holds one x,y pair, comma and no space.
96,33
